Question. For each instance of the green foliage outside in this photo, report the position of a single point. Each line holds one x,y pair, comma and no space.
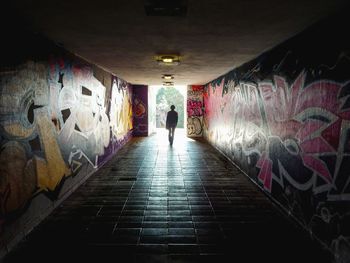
166,97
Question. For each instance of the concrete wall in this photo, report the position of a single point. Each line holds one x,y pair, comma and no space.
284,119
61,119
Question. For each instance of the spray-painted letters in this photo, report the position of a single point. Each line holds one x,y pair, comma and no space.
194,111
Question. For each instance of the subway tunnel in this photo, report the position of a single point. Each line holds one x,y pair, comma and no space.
257,170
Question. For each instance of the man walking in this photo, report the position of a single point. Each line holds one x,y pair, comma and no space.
171,122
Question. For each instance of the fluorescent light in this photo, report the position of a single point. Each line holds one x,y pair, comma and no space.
168,77
168,83
168,59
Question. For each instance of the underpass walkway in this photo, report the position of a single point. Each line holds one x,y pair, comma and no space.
156,203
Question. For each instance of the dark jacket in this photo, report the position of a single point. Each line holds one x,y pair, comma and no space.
171,119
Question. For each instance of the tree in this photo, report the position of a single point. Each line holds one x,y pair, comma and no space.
165,98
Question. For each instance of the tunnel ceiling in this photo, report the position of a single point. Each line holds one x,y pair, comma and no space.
212,37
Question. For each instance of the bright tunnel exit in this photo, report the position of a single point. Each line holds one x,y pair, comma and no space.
160,99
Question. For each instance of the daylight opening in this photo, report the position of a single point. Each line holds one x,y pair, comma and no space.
160,100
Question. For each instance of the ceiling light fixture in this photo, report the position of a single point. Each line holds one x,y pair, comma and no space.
168,84
168,59
168,77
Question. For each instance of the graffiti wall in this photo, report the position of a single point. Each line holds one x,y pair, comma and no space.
194,111
140,109
284,119
120,113
58,124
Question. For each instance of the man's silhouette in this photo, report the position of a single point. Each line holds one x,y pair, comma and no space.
171,122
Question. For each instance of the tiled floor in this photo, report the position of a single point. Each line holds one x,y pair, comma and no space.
156,203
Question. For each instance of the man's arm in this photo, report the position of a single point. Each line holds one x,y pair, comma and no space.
167,121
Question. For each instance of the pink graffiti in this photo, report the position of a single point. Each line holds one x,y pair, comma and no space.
139,108
194,108
219,112
197,88
212,100
265,175
82,71
311,115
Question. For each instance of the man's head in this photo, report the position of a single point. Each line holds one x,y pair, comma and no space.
172,107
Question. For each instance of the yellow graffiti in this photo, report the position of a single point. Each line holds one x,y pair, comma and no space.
127,109
17,180
124,117
16,129
51,170
121,113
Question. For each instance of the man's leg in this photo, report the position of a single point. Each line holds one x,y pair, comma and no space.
172,135
169,135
